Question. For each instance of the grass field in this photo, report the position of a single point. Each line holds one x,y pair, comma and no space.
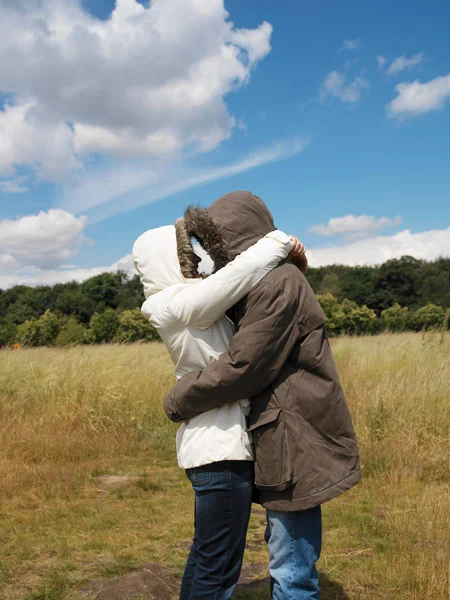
70,417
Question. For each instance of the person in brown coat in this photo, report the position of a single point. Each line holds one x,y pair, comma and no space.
305,446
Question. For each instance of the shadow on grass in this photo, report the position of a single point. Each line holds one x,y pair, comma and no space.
331,590
259,590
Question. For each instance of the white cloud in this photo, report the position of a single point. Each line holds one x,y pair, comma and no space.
13,186
381,60
45,240
36,276
353,227
148,81
427,245
415,99
46,146
351,45
111,191
403,63
336,85
7,262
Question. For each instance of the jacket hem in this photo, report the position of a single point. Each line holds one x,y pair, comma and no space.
286,504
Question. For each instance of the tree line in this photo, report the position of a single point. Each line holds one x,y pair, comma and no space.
400,294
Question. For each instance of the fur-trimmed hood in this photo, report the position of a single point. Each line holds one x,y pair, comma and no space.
225,229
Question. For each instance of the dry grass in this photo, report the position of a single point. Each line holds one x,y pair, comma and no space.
70,416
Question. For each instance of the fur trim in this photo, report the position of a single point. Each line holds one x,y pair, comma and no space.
207,232
185,250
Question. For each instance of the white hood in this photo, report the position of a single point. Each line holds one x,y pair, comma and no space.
156,259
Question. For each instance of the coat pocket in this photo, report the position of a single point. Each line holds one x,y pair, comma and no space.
273,469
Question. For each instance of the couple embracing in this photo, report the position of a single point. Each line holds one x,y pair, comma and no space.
262,412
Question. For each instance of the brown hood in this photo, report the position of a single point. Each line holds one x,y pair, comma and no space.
229,226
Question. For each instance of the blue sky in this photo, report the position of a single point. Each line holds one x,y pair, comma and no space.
335,113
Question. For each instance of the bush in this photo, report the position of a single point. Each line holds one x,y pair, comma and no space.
395,318
354,319
72,332
49,324
347,317
39,332
133,327
103,326
29,333
330,307
8,332
428,317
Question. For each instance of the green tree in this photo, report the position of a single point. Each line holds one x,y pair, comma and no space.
353,319
39,332
29,333
397,281
71,332
330,307
133,326
50,324
131,293
330,284
428,317
357,284
71,300
8,332
104,326
102,290
395,318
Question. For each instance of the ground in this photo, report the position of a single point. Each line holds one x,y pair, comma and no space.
93,504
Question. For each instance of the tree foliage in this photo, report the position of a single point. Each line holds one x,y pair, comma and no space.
395,318
134,327
428,317
404,293
407,281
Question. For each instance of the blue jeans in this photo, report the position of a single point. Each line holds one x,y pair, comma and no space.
295,540
223,500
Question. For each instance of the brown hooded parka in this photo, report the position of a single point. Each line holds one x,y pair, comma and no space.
305,446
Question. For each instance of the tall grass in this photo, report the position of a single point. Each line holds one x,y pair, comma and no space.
69,416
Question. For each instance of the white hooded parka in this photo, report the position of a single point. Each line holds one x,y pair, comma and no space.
189,315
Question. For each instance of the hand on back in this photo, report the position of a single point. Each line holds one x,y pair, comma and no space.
298,254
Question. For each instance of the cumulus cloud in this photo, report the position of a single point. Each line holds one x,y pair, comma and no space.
25,139
403,63
351,45
7,262
415,99
45,240
336,85
353,227
37,276
427,245
147,81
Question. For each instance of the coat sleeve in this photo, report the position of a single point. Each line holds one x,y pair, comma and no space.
201,305
267,334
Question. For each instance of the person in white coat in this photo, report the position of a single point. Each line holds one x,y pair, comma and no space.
215,448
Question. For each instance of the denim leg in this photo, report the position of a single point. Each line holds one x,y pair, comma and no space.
295,540
223,496
189,570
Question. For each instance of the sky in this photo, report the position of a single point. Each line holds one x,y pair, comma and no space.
117,114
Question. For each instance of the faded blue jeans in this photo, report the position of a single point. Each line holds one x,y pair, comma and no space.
223,500
295,540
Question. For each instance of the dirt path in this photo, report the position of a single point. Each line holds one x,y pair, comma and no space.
154,582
